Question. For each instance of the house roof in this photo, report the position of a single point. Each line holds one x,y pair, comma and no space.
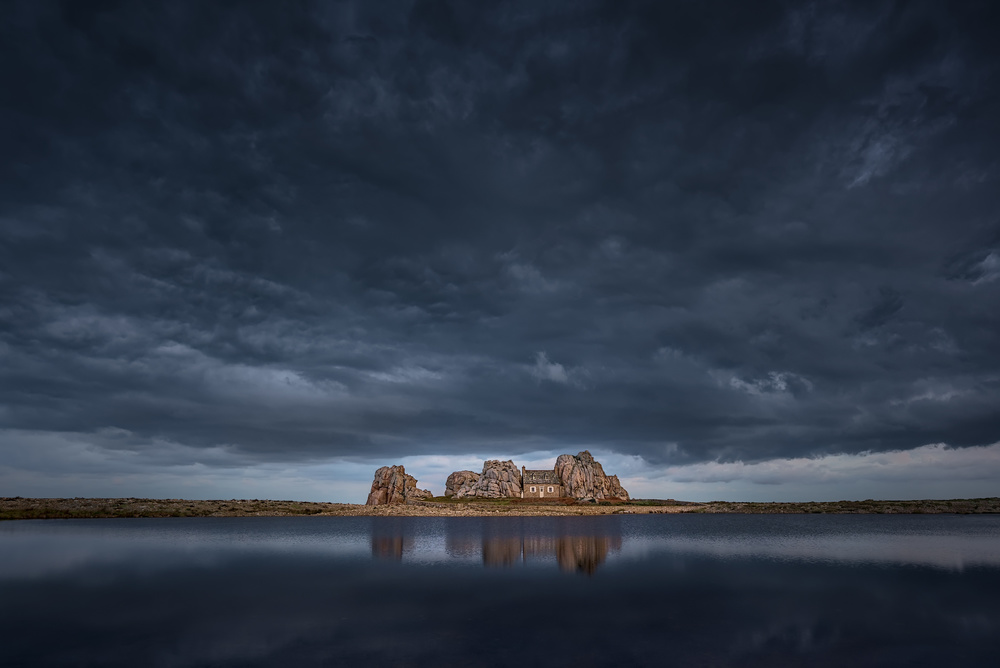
542,477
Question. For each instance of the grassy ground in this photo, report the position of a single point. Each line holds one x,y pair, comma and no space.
961,506
17,508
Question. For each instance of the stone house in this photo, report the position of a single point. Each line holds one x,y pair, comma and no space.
540,484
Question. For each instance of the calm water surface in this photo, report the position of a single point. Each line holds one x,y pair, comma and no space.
687,590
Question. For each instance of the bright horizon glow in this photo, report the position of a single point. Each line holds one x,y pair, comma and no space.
933,471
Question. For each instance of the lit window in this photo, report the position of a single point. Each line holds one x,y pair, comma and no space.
550,490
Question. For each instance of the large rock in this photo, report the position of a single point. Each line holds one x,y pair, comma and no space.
460,480
392,485
414,493
498,480
583,478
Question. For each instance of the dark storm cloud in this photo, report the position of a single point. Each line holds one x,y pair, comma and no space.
682,231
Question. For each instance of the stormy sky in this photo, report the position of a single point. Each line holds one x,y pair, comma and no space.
737,250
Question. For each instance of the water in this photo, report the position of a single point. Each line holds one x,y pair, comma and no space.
686,590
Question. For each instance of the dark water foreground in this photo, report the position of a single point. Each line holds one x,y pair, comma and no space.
687,590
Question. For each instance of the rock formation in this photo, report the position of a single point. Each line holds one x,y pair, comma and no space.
460,480
583,478
393,486
414,493
498,480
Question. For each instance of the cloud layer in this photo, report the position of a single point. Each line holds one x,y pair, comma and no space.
333,232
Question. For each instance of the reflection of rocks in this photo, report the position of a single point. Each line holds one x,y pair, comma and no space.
393,486
390,540
387,547
501,551
582,554
585,553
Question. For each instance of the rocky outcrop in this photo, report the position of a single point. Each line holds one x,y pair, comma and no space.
460,480
414,493
583,478
498,480
392,486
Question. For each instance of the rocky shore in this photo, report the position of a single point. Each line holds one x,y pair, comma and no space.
12,508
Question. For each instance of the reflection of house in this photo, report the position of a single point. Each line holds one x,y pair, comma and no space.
538,546
582,554
539,484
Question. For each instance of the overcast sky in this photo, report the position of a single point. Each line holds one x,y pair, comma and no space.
737,250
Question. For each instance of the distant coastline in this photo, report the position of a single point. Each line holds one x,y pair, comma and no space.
20,508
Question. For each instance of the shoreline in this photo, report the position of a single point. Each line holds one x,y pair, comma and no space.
22,508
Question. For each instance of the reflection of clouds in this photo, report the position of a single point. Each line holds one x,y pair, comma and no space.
304,606
40,549
460,546
786,634
950,552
